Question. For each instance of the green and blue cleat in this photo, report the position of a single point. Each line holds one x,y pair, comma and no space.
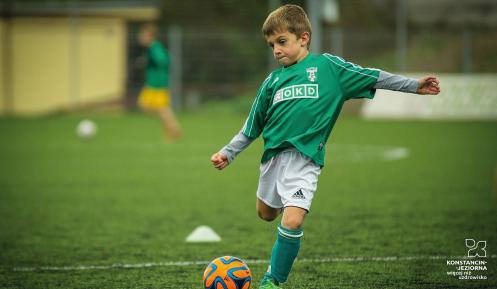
268,282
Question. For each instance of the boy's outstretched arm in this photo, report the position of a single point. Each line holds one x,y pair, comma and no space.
228,153
426,85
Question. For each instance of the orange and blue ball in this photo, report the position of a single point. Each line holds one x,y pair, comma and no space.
227,273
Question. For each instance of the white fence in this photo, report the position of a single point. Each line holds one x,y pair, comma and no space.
472,96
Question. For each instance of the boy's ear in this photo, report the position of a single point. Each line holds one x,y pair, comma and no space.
305,38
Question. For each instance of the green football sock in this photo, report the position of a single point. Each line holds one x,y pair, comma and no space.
285,250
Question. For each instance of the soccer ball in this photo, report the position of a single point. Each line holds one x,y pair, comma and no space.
86,129
227,273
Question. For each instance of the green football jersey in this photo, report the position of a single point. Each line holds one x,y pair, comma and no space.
297,106
157,71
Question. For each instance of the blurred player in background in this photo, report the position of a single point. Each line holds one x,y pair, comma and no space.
154,97
295,110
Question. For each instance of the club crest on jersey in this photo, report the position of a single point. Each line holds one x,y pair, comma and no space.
311,73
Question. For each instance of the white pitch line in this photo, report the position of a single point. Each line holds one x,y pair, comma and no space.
249,261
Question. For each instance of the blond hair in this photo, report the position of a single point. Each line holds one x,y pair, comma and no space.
150,28
291,18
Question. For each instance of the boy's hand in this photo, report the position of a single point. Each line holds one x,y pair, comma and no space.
428,85
219,161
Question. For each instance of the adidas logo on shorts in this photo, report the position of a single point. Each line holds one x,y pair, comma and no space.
298,195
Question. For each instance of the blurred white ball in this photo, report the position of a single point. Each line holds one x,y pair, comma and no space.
86,129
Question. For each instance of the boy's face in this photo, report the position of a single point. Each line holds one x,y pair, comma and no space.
145,37
287,48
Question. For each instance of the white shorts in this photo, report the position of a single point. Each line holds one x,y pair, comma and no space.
289,179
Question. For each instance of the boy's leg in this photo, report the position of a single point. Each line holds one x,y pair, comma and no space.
169,122
293,218
266,212
269,204
287,244
288,180
296,187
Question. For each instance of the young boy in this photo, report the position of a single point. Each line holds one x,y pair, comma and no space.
295,109
154,97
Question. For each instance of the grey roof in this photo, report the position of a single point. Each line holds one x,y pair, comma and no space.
480,13
70,7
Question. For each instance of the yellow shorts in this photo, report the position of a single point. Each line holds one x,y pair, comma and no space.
154,98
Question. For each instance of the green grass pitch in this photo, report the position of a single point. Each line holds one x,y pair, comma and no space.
127,197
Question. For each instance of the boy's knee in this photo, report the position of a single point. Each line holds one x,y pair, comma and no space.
293,223
293,218
266,212
267,216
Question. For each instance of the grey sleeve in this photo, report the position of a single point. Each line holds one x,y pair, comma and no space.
236,146
396,82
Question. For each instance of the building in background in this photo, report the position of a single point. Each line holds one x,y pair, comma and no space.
62,56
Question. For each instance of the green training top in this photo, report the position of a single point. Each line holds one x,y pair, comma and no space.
297,106
157,71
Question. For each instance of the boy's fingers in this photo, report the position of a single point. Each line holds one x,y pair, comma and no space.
433,90
433,79
430,78
217,158
221,165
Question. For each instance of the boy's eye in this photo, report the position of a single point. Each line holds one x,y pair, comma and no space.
281,41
